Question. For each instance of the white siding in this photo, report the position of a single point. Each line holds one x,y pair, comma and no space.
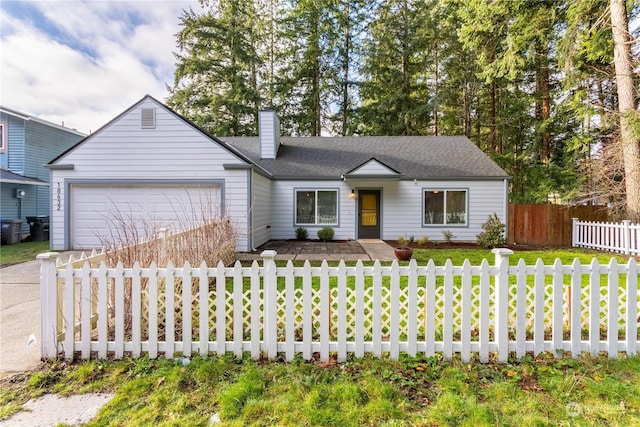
401,207
373,167
172,152
282,218
402,204
260,209
269,137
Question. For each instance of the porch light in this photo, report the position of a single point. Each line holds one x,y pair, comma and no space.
353,194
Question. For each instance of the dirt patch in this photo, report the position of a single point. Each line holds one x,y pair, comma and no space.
462,245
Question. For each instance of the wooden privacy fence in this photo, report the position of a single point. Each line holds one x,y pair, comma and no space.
621,237
316,311
547,224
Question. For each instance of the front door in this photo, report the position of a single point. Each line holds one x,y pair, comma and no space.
368,214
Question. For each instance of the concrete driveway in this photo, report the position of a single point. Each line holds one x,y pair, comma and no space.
20,317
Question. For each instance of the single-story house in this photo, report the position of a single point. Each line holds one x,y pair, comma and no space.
27,144
152,163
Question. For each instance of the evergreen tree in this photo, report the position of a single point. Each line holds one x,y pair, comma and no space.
307,76
532,83
394,91
350,19
215,82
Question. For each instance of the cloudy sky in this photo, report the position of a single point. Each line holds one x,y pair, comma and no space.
84,62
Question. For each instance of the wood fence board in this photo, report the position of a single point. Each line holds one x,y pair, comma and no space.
547,224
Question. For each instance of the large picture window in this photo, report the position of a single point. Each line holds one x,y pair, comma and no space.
445,207
317,207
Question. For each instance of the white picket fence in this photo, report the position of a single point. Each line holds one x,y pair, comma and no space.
623,237
319,311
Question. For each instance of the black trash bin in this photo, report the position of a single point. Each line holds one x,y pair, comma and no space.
39,227
11,231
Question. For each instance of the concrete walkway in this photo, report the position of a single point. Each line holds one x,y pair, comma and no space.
353,250
20,292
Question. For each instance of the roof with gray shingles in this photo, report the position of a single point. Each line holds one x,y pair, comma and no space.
9,177
414,157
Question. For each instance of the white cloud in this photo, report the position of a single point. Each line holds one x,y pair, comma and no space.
86,62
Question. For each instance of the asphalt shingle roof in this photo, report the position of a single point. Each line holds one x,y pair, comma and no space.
414,157
14,178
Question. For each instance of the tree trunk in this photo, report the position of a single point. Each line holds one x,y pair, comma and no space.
316,122
436,83
345,69
543,104
493,118
626,106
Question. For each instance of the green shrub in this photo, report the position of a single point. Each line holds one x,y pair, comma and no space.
325,234
301,233
403,242
448,235
493,234
423,240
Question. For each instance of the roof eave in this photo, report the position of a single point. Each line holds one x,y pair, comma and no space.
385,177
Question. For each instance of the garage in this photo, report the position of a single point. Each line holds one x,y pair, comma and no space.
104,214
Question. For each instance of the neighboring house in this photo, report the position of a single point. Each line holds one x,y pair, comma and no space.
151,163
27,144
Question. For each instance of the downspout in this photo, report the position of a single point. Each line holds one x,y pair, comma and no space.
506,208
250,211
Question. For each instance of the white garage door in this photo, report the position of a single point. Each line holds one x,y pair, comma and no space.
104,215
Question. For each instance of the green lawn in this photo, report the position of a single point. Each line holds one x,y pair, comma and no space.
475,256
458,256
22,252
378,392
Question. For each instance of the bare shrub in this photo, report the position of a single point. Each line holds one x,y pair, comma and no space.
605,184
199,234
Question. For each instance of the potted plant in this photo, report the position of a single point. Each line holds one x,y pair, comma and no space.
403,251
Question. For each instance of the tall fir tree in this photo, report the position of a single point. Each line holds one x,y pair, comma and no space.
394,90
216,78
350,19
307,75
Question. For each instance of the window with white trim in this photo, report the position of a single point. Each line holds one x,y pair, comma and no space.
316,207
445,207
3,137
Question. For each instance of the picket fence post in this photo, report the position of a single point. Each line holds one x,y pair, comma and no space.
574,232
49,304
502,302
626,236
270,303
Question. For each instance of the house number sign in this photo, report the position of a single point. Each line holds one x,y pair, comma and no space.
59,197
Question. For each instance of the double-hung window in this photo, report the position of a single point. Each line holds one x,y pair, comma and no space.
445,207
316,207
